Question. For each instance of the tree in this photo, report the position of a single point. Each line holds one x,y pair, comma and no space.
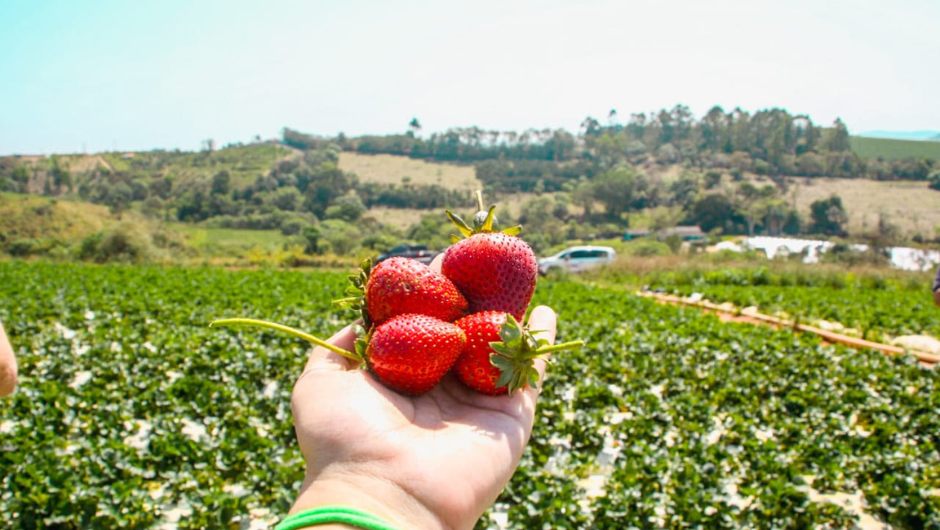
119,198
339,236
349,207
414,127
837,137
312,236
590,127
934,179
619,190
221,183
61,178
828,216
715,211
287,199
684,189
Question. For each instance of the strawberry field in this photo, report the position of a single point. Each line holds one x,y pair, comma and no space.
874,308
133,414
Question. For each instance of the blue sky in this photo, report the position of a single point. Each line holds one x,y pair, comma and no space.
101,75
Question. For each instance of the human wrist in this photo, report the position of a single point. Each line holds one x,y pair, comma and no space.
363,491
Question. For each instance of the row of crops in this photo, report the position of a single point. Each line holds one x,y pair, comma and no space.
875,308
132,414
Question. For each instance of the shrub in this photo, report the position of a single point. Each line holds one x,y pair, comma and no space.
21,247
119,244
647,247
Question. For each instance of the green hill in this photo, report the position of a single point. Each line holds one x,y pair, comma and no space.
32,225
891,149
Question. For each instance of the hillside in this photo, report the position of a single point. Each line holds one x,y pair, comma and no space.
770,173
910,205
394,169
894,149
64,228
903,135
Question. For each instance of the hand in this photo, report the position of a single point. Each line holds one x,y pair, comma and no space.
7,366
434,461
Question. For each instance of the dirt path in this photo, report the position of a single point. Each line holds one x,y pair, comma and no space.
729,313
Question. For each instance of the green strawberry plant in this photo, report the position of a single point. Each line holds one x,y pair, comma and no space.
133,414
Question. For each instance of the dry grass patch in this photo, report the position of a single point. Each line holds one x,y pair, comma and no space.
400,218
393,169
910,205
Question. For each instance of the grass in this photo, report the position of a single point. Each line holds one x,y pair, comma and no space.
634,272
910,205
65,223
32,217
892,149
244,163
393,169
231,241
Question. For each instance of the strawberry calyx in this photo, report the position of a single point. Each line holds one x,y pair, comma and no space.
355,356
356,291
515,354
484,222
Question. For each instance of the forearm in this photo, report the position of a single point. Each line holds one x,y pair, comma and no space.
7,365
936,297
373,495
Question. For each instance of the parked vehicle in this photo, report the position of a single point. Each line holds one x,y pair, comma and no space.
416,252
577,259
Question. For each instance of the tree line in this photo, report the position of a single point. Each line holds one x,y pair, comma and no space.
771,142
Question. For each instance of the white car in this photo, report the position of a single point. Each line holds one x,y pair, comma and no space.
577,259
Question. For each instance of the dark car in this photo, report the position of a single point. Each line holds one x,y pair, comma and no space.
415,252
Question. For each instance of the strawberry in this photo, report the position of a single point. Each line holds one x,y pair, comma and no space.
411,353
495,270
401,285
500,355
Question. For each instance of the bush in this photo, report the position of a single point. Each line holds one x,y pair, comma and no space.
119,244
21,248
935,180
647,248
339,237
292,226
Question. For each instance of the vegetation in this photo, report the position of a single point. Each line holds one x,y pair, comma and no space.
768,173
874,305
892,149
768,142
140,415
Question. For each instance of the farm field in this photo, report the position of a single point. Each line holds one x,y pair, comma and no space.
133,414
886,313
232,241
876,307
910,205
892,149
394,169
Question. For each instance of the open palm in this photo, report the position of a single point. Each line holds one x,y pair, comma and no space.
438,460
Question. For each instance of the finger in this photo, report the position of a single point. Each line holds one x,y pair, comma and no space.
543,320
324,359
436,262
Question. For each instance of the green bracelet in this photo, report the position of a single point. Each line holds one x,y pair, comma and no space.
333,514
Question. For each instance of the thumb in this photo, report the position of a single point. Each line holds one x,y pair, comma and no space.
543,321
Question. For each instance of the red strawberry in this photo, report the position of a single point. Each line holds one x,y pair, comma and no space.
474,367
401,285
500,355
411,353
398,286
495,271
